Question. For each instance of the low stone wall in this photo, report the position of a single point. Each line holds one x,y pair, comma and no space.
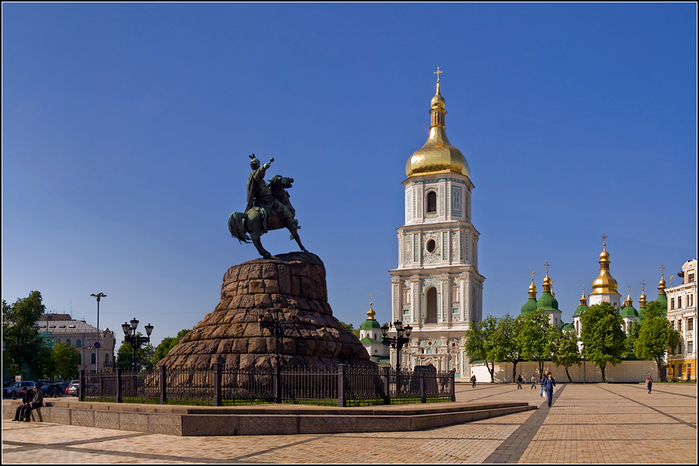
625,372
264,419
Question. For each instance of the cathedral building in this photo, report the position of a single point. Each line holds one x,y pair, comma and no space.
436,288
548,302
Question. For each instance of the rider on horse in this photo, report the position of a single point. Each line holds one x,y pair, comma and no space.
260,195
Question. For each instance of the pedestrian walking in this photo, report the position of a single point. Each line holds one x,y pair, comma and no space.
543,382
473,381
533,381
519,382
550,383
649,383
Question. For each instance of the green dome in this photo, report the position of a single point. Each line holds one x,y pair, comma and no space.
529,306
370,323
547,302
579,311
629,312
569,327
662,299
369,341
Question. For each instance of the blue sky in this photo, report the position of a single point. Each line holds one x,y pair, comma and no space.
127,129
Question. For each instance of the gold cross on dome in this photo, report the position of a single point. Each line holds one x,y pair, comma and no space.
438,72
370,298
547,267
662,269
532,272
643,286
604,239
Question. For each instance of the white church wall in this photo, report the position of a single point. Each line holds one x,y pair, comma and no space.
626,372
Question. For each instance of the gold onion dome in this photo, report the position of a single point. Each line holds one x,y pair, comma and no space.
437,155
604,283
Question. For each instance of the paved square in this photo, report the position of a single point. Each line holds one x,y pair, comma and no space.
591,423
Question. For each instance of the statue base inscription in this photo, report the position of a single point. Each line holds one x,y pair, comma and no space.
312,337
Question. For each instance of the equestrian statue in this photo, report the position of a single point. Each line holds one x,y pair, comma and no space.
268,208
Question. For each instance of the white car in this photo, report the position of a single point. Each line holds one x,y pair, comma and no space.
15,390
72,389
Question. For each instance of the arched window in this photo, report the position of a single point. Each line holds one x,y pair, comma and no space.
68,341
431,202
106,358
431,306
78,343
93,358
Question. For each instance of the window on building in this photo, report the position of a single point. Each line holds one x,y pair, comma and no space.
679,348
690,278
679,325
679,302
690,346
691,300
432,202
78,343
672,303
431,306
93,358
68,341
690,323
106,358
679,370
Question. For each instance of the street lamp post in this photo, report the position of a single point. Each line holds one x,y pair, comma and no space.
133,339
399,340
272,321
97,343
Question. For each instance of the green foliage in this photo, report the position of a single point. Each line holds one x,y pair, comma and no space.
481,343
65,361
508,338
166,345
656,336
536,336
602,336
22,342
630,341
566,351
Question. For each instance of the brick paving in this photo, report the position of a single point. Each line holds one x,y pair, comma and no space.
591,423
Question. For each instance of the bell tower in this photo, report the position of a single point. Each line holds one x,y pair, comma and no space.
437,288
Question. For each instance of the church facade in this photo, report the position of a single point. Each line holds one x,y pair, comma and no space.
437,288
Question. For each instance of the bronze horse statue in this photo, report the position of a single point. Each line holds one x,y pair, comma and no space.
257,221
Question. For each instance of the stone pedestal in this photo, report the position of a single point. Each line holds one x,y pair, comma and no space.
312,337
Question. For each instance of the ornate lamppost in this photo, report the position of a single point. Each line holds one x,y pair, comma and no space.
399,340
133,339
97,343
271,320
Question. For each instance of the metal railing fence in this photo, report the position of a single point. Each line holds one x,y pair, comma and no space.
337,386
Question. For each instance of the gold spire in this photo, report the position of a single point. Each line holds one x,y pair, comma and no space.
371,312
547,280
642,299
661,283
437,155
532,287
628,301
604,283
583,299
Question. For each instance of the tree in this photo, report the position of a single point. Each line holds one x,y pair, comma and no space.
481,344
166,345
566,352
602,336
509,340
656,336
21,337
630,341
536,337
65,361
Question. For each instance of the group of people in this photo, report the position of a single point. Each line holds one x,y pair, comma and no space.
30,400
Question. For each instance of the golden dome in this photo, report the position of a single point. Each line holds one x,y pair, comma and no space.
583,299
604,283
437,155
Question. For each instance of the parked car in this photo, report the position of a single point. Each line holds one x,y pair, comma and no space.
15,390
55,390
72,389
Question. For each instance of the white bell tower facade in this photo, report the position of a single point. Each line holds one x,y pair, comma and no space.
436,288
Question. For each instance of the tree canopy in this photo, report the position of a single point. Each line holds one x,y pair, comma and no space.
481,343
508,338
602,336
22,341
166,345
566,351
656,336
537,337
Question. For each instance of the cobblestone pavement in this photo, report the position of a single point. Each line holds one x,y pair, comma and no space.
591,423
